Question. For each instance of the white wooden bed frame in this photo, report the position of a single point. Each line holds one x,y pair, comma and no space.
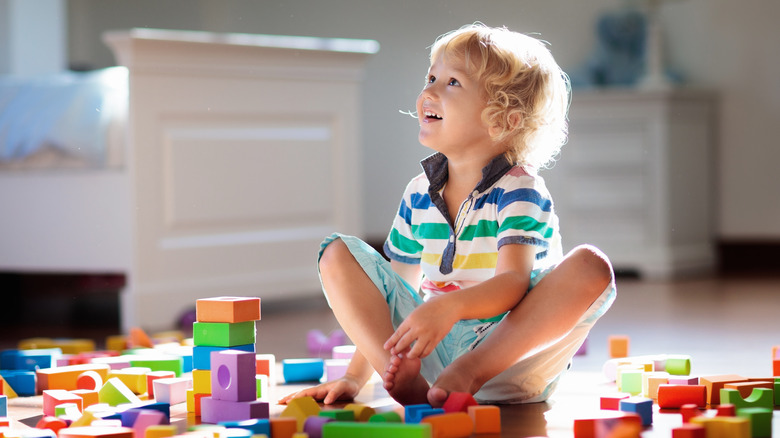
242,154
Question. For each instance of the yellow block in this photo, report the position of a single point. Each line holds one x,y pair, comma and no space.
68,346
301,409
201,381
133,377
160,431
724,427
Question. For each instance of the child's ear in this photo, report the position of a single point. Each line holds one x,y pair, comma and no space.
515,121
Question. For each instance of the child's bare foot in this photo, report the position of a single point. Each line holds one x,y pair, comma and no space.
403,381
453,378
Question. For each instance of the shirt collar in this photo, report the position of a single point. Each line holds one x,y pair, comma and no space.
435,168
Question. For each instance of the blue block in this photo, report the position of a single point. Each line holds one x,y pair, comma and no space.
8,359
186,363
258,426
31,360
3,406
303,370
414,413
165,408
639,405
201,355
22,382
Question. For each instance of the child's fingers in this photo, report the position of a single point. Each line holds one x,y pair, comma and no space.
394,339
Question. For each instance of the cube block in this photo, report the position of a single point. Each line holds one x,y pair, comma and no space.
228,309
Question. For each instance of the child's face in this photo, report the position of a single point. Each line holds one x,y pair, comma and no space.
450,109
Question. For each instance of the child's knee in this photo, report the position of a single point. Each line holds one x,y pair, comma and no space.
333,254
593,262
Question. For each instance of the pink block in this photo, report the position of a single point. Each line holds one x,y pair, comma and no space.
233,376
54,397
146,418
172,390
214,411
335,368
683,380
154,375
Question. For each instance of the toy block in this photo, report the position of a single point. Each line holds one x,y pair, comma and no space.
321,345
724,427
418,414
486,419
265,364
639,405
114,362
114,392
90,380
631,382
678,365
338,429
459,402
776,367
283,427
172,390
360,412
618,345
54,397
197,399
31,360
726,410
154,375
627,368
312,427
133,377
715,383
675,396
139,339
338,414
683,380
223,334
159,363
450,425
51,423
116,343
228,309
344,352
612,401
760,420
759,398
86,419
689,431
147,418
67,411
201,354
67,377
746,388
300,409
215,411
256,426
688,411
201,381
263,388
160,431
3,406
386,417
604,423
96,432
89,397
22,382
233,376
651,382
335,368
66,345
303,370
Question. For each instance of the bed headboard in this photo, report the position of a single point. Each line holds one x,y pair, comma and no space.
243,153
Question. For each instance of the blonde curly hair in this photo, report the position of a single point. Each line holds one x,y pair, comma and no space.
527,93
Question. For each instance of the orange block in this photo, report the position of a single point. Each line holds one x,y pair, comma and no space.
618,346
283,427
608,423
746,388
227,309
67,377
776,367
675,396
715,383
486,418
94,432
89,396
450,425
139,338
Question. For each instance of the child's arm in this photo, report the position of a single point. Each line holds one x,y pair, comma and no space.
427,325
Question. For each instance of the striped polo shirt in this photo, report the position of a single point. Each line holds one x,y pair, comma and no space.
510,205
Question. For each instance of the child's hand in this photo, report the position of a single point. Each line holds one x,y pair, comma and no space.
343,389
426,326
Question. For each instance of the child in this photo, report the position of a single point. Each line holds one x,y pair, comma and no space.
500,311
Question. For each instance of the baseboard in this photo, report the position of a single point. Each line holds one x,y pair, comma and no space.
748,256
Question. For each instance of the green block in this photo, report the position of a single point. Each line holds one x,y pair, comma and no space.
338,414
223,334
777,392
173,364
385,417
678,365
115,393
760,421
261,381
631,381
759,398
344,429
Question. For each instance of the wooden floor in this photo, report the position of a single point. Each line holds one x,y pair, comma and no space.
728,325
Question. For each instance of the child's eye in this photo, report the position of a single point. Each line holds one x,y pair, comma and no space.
453,82
430,79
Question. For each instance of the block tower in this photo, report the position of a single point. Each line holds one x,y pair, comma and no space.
222,324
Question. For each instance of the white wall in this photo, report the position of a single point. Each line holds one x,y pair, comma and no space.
721,44
32,37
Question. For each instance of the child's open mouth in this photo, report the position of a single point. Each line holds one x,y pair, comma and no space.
432,116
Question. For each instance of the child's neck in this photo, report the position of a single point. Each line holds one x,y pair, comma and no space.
463,177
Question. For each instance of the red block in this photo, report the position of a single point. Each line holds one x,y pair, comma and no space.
154,375
675,396
52,423
776,367
55,397
612,402
459,402
607,423
689,431
689,411
726,410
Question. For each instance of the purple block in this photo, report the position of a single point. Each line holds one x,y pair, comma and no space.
683,380
233,376
313,425
214,411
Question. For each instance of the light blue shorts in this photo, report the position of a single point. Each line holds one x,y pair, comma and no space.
531,380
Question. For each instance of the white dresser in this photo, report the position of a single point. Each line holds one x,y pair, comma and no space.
637,179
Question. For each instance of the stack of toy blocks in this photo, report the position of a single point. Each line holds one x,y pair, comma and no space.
224,343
